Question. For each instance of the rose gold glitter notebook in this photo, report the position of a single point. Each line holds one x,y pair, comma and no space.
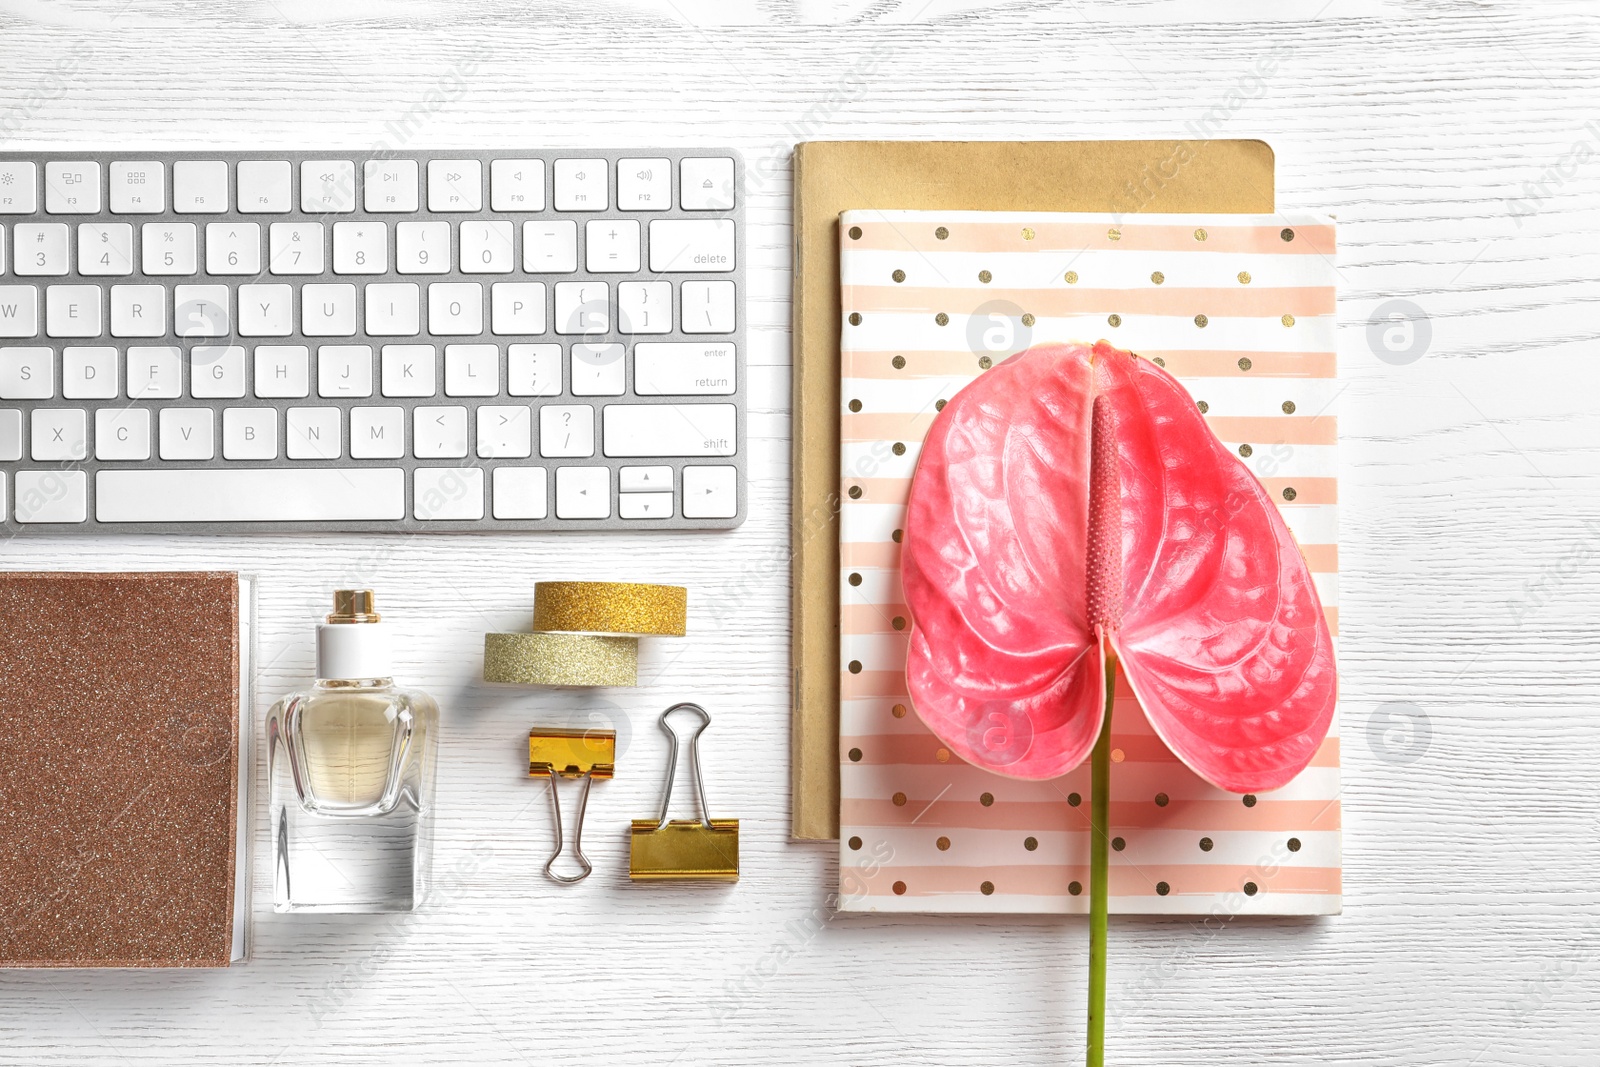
123,711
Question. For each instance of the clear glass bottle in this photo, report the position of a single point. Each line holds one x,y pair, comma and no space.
351,766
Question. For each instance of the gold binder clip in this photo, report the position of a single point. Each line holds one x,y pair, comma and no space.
559,753
703,849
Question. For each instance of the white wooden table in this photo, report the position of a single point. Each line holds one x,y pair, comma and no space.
1459,144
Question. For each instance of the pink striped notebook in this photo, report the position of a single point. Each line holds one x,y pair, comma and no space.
1241,308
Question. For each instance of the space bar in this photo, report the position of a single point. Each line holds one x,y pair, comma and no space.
256,494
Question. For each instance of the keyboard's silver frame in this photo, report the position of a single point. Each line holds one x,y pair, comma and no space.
409,524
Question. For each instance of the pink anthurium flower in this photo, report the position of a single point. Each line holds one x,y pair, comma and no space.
1072,501
1071,509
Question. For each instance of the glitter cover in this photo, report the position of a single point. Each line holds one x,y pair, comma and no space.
119,747
611,608
560,659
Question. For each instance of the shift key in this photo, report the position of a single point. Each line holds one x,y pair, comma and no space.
670,429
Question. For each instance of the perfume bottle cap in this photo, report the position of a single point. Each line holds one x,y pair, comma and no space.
354,605
351,644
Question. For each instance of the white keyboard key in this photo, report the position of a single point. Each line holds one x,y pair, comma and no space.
27,373
137,187
155,373
422,248
200,187
598,370
72,310
644,480
516,308
471,370
550,247
19,310
455,185
233,248
520,493
313,433
583,307
706,184
60,435
186,433
266,310
516,185
282,371
136,310
344,371
710,492
40,249
89,373
581,185
51,496
583,492
408,370
455,309
394,309
391,184
304,494
533,370
486,248
566,430
216,372
327,185
264,186
201,311
168,248
447,493
19,188
668,368
377,433
644,307
10,434
439,433
670,429
644,184
645,505
505,432
105,249
328,310
72,188
361,248
611,246
691,245
295,247
250,433
707,307
122,434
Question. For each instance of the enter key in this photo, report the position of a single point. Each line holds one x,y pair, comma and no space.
683,368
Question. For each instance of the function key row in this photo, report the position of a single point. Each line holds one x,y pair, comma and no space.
213,187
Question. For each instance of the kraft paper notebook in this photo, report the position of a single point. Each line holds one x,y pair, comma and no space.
124,716
1241,309
1118,177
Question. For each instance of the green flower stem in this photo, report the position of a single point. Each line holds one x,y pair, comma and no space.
1100,871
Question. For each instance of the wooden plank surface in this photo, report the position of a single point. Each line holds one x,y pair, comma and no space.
1459,146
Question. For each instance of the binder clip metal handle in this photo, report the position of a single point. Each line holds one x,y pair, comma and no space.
687,849
560,753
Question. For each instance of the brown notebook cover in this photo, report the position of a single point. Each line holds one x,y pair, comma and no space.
120,787
835,176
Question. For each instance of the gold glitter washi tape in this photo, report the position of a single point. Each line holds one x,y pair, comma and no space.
560,659
611,608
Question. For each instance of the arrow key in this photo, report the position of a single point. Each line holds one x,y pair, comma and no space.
645,505
583,492
644,480
710,492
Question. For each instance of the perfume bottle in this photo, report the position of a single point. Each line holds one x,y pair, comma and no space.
351,767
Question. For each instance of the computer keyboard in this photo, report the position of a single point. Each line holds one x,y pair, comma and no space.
421,341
